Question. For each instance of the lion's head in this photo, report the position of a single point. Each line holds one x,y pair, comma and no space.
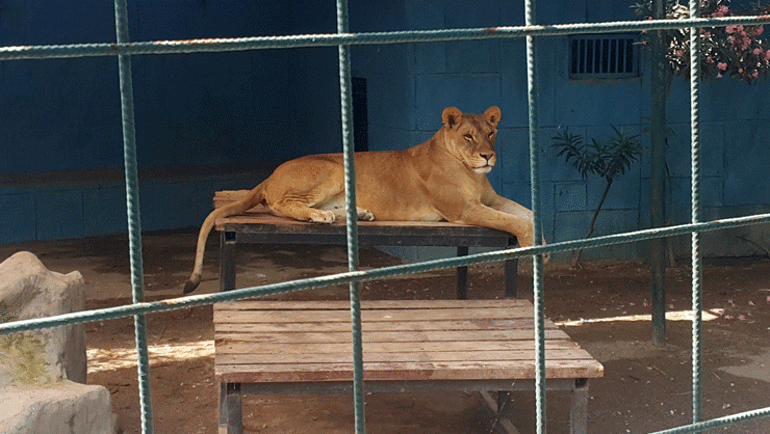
471,137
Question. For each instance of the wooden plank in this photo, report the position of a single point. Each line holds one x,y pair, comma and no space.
345,337
483,324
411,371
405,356
370,304
326,316
239,347
264,222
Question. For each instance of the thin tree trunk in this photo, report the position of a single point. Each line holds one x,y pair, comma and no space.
592,227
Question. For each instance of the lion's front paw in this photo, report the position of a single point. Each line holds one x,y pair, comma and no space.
321,216
365,215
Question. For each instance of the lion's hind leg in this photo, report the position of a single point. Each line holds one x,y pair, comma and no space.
362,214
301,211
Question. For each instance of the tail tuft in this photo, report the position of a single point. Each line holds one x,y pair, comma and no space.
192,284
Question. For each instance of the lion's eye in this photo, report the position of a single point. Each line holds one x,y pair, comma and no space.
468,137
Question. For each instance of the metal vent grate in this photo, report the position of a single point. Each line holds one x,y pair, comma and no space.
604,56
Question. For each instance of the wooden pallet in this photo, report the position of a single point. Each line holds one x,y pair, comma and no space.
428,345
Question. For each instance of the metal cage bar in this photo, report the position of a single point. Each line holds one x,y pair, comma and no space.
697,288
133,216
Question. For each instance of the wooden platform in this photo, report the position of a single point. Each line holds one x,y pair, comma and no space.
432,345
259,226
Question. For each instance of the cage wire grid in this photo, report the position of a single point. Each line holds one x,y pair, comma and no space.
123,49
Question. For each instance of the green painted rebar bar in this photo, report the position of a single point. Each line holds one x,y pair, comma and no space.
379,273
697,288
370,38
348,149
134,221
718,422
537,263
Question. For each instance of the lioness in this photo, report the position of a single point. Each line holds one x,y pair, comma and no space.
444,178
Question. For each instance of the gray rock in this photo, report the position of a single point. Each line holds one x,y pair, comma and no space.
29,290
63,407
41,371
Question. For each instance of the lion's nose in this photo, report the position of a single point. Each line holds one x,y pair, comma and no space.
487,156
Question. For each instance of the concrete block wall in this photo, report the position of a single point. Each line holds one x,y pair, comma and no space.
89,208
249,108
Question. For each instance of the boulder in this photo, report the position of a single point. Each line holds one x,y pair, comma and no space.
42,372
62,407
29,290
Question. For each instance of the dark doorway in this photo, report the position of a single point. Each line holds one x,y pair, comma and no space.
360,115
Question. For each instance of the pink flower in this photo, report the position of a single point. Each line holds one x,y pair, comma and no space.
768,299
757,51
741,318
721,11
767,55
758,30
730,29
722,66
719,75
755,74
751,303
740,70
679,53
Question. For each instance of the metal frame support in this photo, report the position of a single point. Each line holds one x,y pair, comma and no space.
462,275
227,242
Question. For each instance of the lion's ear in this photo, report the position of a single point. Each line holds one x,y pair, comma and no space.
451,117
492,115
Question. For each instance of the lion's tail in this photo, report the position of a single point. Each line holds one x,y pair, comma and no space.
252,199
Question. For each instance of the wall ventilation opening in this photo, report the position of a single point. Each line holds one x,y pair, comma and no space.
604,56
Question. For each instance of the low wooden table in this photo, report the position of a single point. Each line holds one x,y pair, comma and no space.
274,347
259,226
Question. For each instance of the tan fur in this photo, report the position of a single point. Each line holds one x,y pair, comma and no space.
444,178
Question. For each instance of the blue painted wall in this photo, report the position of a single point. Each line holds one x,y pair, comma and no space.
60,136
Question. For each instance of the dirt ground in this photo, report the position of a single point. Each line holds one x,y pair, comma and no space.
604,307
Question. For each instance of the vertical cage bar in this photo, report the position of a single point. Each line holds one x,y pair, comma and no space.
134,221
348,148
697,274
537,266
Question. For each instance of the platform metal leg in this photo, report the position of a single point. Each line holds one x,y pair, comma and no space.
511,276
462,275
230,408
578,416
227,245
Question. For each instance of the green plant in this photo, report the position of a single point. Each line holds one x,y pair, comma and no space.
606,159
23,353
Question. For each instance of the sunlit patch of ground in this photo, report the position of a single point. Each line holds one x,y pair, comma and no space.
103,359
